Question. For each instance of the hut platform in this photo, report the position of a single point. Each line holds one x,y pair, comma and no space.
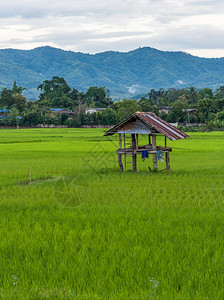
140,149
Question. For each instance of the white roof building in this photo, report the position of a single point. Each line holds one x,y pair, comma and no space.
93,110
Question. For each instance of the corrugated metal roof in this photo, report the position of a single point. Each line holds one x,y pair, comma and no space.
56,109
162,126
155,122
136,126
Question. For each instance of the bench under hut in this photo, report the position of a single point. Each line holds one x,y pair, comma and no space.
149,124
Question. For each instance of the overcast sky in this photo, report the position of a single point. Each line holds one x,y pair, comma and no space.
93,26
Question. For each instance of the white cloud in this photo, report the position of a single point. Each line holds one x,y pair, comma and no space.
180,81
134,89
96,25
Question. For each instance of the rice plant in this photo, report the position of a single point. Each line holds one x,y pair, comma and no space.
73,227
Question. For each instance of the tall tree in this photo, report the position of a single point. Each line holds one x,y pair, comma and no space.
97,97
154,95
178,112
192,95
13,98
219,93
54,89
17,89
204,108
127,107
206,93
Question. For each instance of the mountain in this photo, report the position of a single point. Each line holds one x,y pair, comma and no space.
125,74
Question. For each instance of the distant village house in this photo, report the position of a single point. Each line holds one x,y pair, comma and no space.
167,109
94,110
3,112
60,111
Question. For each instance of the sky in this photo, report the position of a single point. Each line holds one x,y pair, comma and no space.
93,26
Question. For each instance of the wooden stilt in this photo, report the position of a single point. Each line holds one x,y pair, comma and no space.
165,142
167,155
136,141
154,149
120,163
150,140
125,158
120,141
119,155
134,160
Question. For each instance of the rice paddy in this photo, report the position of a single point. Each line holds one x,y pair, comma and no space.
73,227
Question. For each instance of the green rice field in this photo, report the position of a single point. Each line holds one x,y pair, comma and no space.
73,227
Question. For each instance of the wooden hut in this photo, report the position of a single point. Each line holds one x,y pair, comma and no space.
143,123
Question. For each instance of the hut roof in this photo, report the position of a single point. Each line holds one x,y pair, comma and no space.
149,123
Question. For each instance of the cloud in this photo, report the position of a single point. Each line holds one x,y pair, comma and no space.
180,82
38,9
122,25
192,37
134,89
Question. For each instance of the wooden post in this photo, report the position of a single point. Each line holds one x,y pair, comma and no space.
119,155
134,160
136,141
120,163
120,141
125,158
154,149
150,140
167,155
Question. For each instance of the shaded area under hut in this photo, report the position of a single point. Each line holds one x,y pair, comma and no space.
149,124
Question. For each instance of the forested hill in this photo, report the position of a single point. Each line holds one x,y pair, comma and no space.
124,74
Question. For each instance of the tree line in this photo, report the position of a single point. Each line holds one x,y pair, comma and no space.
208,105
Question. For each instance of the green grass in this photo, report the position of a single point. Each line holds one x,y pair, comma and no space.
83,230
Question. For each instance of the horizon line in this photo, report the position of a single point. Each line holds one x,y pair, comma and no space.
115,51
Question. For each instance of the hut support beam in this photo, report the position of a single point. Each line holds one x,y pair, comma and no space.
167,156
134,156
120,163
154,149
119,155
120,141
